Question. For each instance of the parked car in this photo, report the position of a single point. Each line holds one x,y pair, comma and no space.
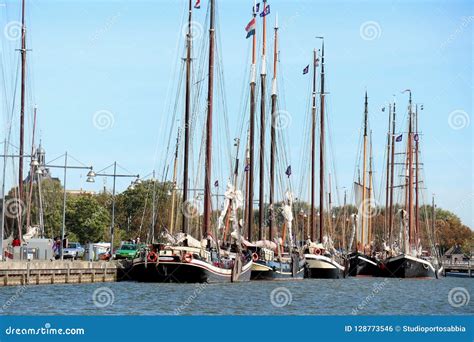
74,250
126,251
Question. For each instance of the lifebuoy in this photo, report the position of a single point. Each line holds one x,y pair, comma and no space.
152,257
317,251
188,257
254,256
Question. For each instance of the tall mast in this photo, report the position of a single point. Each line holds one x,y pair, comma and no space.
392,165
207,183
263,76
370,190
187,113
321,153
387,180
410,171
364,169
173,197
273,132
253,76
22,114
416,177
313,148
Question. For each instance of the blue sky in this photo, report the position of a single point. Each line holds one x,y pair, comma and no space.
120,57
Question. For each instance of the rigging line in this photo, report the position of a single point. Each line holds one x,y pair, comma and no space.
52,161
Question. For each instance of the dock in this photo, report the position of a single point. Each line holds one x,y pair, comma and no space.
14,273
462,268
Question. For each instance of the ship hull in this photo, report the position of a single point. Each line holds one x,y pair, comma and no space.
405,266
276,270
196,271
322,267
363,265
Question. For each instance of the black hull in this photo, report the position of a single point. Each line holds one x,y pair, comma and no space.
181,272
363,265
323,273
319,267
408,267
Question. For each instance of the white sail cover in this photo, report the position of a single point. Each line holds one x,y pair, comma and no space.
354,220
288,215
358,192
234,196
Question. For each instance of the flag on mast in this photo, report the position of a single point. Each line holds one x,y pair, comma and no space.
197,4
265,11
306,70
288,171
399,138
256,8
250,28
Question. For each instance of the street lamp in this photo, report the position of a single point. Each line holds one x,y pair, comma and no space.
39,171
91,179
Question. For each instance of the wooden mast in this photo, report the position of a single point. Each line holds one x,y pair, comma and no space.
410,173
370,190
273,133
321,153
387,177
208,168
22,116
253,76
392,164
313,149
175,169
364,169
416,178
263,76
187,113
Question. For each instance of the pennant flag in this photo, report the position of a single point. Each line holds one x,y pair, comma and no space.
197,4
250,28
216,183
256,8
417,137
306,70
399,138
265,11
288,171
383,109
247,167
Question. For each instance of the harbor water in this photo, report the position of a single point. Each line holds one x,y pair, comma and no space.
356,296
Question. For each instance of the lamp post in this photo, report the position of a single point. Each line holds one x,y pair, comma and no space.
65,167
91,179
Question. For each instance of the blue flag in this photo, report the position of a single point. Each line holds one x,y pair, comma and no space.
265,11
256,8
288,171
399,138
216,183
306,70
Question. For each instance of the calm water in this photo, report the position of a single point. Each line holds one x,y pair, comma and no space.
362,296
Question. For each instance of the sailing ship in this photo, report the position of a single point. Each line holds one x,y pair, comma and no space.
363,259
322,259
185,259
405,257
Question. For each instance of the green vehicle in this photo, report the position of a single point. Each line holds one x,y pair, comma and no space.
126,251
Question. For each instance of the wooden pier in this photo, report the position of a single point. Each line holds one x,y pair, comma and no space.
462,268
56,272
